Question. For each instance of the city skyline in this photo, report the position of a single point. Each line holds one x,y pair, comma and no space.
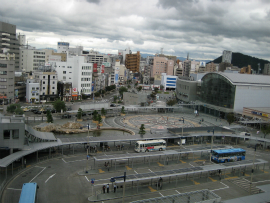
203,28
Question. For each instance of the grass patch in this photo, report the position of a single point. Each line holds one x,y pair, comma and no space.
166,92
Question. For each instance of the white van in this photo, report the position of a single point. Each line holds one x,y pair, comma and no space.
246,134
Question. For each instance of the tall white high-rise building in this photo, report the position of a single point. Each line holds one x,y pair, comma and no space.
227,56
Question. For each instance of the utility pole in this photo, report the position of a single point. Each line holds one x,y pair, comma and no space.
211,141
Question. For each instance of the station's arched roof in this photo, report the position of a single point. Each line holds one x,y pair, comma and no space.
244,79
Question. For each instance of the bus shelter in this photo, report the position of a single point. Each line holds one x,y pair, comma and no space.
191,197
183,174
164,156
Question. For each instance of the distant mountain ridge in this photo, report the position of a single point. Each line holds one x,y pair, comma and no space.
179,57
242,60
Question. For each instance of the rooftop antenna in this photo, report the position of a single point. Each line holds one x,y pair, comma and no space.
188,56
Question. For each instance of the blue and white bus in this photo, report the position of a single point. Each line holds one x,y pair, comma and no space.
29,193
228,155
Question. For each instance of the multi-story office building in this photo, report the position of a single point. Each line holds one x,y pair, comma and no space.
77,71
48,85
227,56
9,42
162,65
32,90
122,55
7,77
266,70
31,58
186,68
133,62
246,70
96,57
211,67
168,81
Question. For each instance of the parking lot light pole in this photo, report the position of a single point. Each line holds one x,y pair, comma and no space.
182,132
211,141
87,150
252,171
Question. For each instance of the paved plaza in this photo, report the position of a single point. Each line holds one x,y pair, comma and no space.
64,178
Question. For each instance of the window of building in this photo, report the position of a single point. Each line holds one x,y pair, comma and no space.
53,77
43,88
44,77
53,93
6,134
53,82
64,72
15,134
33,88
53,87
43,82
37,88
64,77
33,94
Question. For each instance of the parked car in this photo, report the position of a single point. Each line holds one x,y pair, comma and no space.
38,112
83,114
112,105
26,110
66,116
90,113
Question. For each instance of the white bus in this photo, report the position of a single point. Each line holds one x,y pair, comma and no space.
150,145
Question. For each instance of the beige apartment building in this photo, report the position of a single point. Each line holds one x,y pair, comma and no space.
211,67
162,65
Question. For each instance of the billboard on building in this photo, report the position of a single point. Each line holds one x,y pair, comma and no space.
74,91
116,78
102,68
106,64
93,85
95,68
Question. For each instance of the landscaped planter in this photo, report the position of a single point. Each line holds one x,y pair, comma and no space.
122,114
79,120
103,117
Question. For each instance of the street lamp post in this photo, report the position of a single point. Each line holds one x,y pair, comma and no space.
211,141
124,177
252,171
182,132
87,151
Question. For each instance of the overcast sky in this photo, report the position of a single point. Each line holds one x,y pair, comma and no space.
204,28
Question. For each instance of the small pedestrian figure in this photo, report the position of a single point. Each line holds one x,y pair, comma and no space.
114,188
25,163
105,165
108,188
103,188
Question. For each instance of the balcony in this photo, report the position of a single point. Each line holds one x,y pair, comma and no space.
5,44
5,34
5,39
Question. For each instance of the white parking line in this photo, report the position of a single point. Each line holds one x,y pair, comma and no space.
36,175
177,192
13,189
161,194
86,178
64,160
150,170
49,178
191,165
226,187
135,172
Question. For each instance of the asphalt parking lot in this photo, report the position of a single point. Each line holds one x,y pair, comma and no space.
63,179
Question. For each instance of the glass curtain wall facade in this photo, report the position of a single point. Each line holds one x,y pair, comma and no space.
217,90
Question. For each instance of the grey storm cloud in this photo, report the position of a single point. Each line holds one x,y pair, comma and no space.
201,27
